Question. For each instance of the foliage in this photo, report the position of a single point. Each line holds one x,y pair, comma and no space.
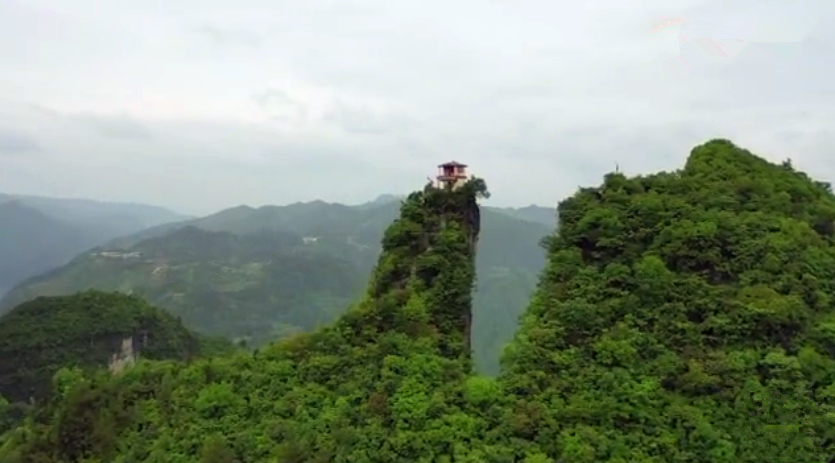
387,383
39,337
682,317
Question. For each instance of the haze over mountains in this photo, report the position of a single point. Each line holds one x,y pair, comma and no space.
40,233
255,274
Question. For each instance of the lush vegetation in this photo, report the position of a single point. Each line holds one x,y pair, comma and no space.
682,317
253,288
397,360
262,274
41,336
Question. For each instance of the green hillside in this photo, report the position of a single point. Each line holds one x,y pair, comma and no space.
258,287
269,272
43,335
684,316
681,317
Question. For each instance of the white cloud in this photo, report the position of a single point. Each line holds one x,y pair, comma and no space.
204,105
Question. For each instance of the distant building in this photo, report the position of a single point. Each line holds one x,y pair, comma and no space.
451,175
120,255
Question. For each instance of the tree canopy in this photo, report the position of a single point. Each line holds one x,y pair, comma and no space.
682,317
84,330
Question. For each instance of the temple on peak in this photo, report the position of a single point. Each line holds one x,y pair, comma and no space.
451,175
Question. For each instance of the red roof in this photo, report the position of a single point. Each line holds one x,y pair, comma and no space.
453,164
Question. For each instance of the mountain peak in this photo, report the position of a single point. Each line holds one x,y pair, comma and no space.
385,199
422,285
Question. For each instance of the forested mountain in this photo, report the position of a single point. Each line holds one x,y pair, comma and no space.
263,273
86,330
38,234
682,317
414,319
258,287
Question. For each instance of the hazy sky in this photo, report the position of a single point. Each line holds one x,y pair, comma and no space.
201,105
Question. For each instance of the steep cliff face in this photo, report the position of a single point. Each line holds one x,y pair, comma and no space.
428,261
125,357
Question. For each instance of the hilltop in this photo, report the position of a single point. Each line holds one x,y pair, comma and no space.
684,316
39,337
265,273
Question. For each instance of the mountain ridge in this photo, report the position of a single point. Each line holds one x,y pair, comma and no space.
532,213
508,265
198,275
40,233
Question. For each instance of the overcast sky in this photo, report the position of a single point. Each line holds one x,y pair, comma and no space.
202,105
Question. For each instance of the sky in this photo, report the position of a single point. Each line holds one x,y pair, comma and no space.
203,105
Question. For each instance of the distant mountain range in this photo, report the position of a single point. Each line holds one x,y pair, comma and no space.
106,218
38,234
264,273
532,213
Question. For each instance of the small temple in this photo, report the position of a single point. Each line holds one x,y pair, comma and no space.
451,175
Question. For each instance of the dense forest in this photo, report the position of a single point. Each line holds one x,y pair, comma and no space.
682,316
84,330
